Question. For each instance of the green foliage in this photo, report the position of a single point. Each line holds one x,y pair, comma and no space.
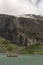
5,44
32,49
10,49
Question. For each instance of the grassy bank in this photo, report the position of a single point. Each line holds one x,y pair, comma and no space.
34,49
5,44
8,45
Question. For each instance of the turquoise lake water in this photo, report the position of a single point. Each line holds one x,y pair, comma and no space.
21,60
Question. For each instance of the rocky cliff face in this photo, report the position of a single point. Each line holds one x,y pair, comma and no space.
32,23
11,26
8,27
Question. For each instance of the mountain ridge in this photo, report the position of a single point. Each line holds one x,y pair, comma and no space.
11,26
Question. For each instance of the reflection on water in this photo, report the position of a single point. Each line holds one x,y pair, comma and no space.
21,60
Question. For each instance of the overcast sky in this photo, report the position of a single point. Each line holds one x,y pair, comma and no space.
20,7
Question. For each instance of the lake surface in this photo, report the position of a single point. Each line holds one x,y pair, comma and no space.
21,60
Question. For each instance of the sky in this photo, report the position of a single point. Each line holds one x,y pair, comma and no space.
20,7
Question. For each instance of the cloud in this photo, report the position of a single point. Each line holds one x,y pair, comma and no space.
34,2
19,7
40,7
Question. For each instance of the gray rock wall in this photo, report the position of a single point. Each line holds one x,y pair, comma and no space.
7,27
11,26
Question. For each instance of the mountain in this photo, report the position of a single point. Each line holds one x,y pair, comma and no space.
32,22
14,28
